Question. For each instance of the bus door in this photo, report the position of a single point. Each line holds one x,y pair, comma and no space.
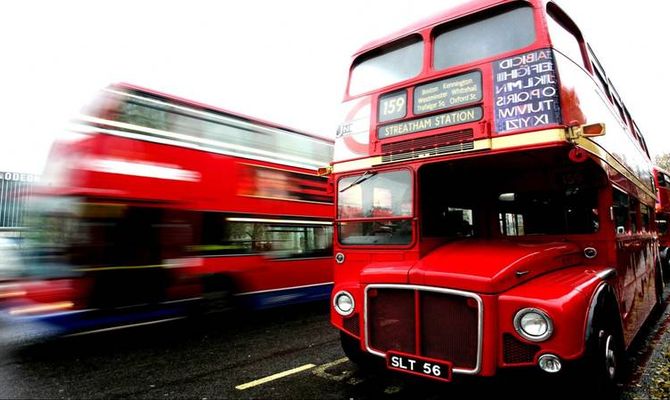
121,255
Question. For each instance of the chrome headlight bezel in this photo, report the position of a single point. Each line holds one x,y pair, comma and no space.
336,306
518,321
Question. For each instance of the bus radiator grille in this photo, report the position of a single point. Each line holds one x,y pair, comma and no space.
391,320
428,146
441,326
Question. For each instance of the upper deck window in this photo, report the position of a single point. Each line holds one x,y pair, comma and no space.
388,65
565,38
483,37
599,73
210,130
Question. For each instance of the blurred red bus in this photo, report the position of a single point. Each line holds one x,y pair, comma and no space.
662,179
156,203
495,201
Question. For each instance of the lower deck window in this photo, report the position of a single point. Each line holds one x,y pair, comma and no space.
573,211
276,239
510,196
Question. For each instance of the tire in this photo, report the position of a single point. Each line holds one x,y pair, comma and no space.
665,262
660,284
217,294
352,349
604,359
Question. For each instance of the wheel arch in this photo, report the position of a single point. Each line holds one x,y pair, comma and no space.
603,302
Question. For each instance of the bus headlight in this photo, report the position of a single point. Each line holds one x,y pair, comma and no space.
533,324
343,303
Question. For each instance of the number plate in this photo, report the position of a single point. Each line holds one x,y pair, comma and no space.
421,366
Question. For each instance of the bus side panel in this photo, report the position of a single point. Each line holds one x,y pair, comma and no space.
268,278
584,103
637,255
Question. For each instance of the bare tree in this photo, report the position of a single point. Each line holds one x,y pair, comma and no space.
663,161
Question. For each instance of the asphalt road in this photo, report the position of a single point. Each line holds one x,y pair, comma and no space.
207,359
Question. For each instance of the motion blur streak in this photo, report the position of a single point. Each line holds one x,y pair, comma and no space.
171,172
161,208
63,305
8,295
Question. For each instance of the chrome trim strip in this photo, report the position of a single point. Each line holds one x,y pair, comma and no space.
480,318
284,288
280,221
261,254
293,259
553,135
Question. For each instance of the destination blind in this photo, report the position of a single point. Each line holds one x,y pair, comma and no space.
433,122
526,92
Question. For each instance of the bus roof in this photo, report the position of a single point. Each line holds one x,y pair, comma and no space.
446,15
191,103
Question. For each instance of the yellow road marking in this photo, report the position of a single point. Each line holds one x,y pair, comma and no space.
274,377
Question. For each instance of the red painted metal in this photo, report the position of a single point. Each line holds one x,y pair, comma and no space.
508,272
90,169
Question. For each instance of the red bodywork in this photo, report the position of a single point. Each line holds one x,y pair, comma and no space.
505,273
110,170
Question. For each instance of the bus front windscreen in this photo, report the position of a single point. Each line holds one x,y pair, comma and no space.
375,208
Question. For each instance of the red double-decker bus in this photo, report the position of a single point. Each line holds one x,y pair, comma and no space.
495,200
662,178
155,203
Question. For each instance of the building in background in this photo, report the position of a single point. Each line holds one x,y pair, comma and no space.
15,187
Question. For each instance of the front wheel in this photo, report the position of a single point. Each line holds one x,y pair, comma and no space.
660,284
217,294
352,349
604,358
665,262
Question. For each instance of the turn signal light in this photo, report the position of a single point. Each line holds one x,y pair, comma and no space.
593,130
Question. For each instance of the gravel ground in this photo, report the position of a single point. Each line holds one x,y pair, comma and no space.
651,378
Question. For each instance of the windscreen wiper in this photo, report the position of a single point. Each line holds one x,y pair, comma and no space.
367,175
